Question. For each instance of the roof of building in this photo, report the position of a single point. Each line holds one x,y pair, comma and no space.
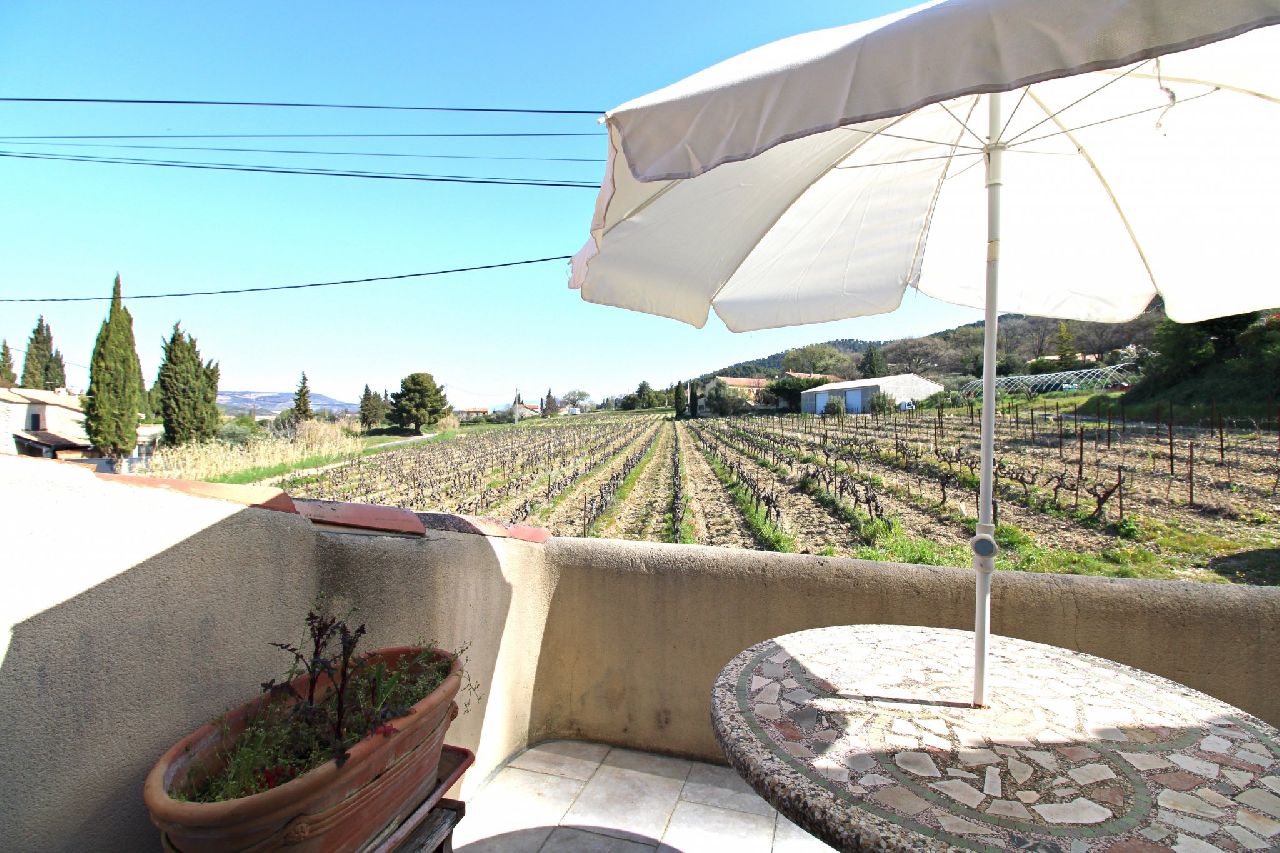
44,438
864,383
744,381
796,375
26,396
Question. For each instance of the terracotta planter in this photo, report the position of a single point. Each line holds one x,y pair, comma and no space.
325,809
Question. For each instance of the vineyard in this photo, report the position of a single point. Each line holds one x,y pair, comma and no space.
1081,495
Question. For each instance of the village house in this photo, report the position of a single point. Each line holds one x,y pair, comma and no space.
42,423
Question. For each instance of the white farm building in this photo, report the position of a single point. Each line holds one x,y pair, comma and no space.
857,393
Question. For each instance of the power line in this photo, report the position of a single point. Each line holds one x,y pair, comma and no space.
281,170
323,152
292,286
299,136
325,106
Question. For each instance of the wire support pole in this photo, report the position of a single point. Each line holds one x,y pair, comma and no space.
983,543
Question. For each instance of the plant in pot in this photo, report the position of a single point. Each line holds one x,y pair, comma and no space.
343,747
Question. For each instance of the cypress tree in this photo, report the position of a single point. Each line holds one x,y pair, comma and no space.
188,391
55,373
302,400
115,384
39,352
370,409
7,377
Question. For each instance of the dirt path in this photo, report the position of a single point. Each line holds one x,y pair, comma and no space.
815,529
566,518
642,513
716,519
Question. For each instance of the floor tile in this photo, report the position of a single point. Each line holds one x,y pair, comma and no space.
517,800
695,827
789,838
516,841
629,803
570,758
723,788
567,839
646,762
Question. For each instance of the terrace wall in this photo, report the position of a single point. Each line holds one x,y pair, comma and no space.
137,614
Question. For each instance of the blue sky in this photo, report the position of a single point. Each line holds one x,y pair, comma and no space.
67,228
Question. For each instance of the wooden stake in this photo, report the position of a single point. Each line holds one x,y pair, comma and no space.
1191,473
1080,457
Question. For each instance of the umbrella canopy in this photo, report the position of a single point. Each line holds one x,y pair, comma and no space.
834,169
818,177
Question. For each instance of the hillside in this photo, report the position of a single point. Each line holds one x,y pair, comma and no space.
771,365
274,402
957,352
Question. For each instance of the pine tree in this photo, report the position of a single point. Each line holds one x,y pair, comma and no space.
873,363
188,391
39,352
7,377
302,400
419,402
115,384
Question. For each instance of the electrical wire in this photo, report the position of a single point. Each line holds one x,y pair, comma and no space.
325,106
300,136
322,152
281,170
228,292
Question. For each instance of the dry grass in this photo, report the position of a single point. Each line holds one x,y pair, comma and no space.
214,459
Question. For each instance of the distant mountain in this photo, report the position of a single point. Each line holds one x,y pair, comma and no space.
274,402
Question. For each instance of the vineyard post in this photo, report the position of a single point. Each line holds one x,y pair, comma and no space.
1191,474
1170,425
1108,429
1120,489
1080,456
1033,423
1222,447
584,516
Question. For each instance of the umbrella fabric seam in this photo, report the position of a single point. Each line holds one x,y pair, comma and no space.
1115,202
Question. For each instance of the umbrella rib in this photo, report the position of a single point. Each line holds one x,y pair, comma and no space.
1161,107
912,160
1053,116
1128,226
914,138
1009,120
981,142
917,257
1239,90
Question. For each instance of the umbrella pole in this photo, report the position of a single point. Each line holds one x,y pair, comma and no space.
983,543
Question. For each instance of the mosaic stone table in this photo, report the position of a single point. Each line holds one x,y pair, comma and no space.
864,736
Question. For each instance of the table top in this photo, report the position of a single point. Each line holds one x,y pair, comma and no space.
864,736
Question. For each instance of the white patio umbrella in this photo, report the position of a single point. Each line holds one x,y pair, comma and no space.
818,177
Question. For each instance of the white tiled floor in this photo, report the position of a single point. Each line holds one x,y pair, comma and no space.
577,797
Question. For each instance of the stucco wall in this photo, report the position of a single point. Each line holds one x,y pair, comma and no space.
136,614
638,631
